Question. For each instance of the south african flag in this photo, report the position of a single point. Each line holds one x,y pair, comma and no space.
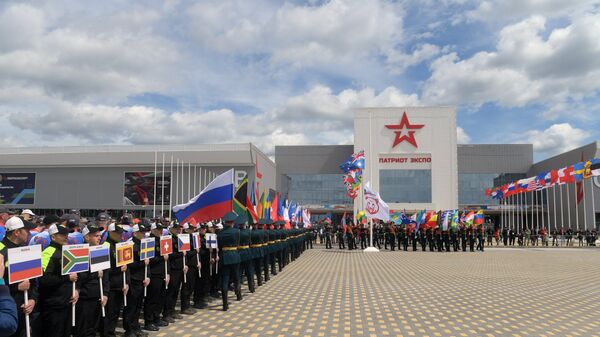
75,258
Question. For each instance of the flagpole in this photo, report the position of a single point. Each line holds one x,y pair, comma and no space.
568,208
171,188
584,207
576,208
182,181
189,179
177,184
27,325
562,208
554,202
101,295
542,208
370,248
195,178
593,205
162,188
155,164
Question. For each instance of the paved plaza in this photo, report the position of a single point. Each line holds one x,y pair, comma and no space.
501,292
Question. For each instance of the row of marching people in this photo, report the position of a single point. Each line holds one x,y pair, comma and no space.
152,284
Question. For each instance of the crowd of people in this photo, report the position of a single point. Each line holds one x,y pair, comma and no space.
474,238
149,288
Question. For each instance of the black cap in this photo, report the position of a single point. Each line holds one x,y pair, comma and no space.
71,219
29,224
90,229
229,217
126,219
58,229
102,217
50,219
115,228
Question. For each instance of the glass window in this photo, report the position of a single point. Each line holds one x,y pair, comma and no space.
405,186
318,189
472,186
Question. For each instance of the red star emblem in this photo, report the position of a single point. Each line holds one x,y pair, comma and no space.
404,123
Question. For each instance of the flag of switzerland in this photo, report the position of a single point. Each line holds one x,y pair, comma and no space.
166,245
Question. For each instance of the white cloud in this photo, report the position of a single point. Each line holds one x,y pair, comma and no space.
556,139
525,68
318,116
502,10
462,136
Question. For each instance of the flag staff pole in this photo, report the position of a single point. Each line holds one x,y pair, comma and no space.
170,189
154,204
554,202
162,188
576,207
177,184
568,208
189,180
593,204
370,248
584,207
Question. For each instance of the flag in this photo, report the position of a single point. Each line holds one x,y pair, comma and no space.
183,242
355,161
478,218
240,196
75,258
166,245
99,258
211,240
446,218
253,195
455,221
24,263
274,205
306,218
260,209
147,248
124,251
578,171
197,243
343,222
469,218
432,219
213,202
375,207
251,212
565,175
594,167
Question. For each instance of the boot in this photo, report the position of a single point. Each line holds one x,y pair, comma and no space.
238,293
225,303
251,286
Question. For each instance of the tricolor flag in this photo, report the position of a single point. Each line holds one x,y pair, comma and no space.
183,242
24,263
594,167
469,218
99,258
478,218
75,258
124,251
213,202
166,245
197,244
211,240
147,248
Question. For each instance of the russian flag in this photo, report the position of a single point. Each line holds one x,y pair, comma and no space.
213,202
24,263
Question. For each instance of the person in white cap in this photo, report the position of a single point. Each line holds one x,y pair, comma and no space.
17,233
118,288
89,306
27,214
56,292
155,297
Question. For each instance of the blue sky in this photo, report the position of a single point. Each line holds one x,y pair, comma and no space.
277,72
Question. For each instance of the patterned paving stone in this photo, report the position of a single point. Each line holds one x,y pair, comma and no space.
502,292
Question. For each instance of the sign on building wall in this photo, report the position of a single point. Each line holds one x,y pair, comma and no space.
17,188
139,188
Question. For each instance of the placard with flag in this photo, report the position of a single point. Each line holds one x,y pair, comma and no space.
75,258
197,244
24,263
147,248
183,242
211,240
166,245
124,252
99,258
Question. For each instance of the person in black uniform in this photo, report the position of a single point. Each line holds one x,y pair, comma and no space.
202,288
229,240
192,260
55,290
430,239
454,238
340,237
17,233
89,306
463,238
176,271
472,238
327,237
505,236
117,289
413,236
137,281
245,253
480,238
511,237
155,293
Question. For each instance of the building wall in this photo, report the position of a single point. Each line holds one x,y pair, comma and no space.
436,139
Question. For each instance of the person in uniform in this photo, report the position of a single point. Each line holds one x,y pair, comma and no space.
245,253
327,237
91,301
256,250
137,281
155,293
472,238
340,237
480,238
392,236
229,240
202,289
118,290
266,248
56,293
17,234
177,269
272,246
192,261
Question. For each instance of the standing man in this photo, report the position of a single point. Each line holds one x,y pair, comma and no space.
17,233
91,300
228,240
192,260
155,296
177,269
56,291
137,281
118,289
256,249
245,252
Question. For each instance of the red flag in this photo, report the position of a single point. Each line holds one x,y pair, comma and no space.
580,187
274,207
251,210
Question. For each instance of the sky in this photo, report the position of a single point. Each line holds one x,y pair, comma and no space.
291,72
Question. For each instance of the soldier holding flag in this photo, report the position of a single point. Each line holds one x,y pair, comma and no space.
138,280
156,289
118,288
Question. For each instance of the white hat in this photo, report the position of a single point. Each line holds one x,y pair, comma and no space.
209,224
14,223
27,211
135,228
220,225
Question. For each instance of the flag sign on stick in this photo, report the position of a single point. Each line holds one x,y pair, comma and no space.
211,240
166,245
183,241
147,248
196,241
99,258
24,263
75,258
124,252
